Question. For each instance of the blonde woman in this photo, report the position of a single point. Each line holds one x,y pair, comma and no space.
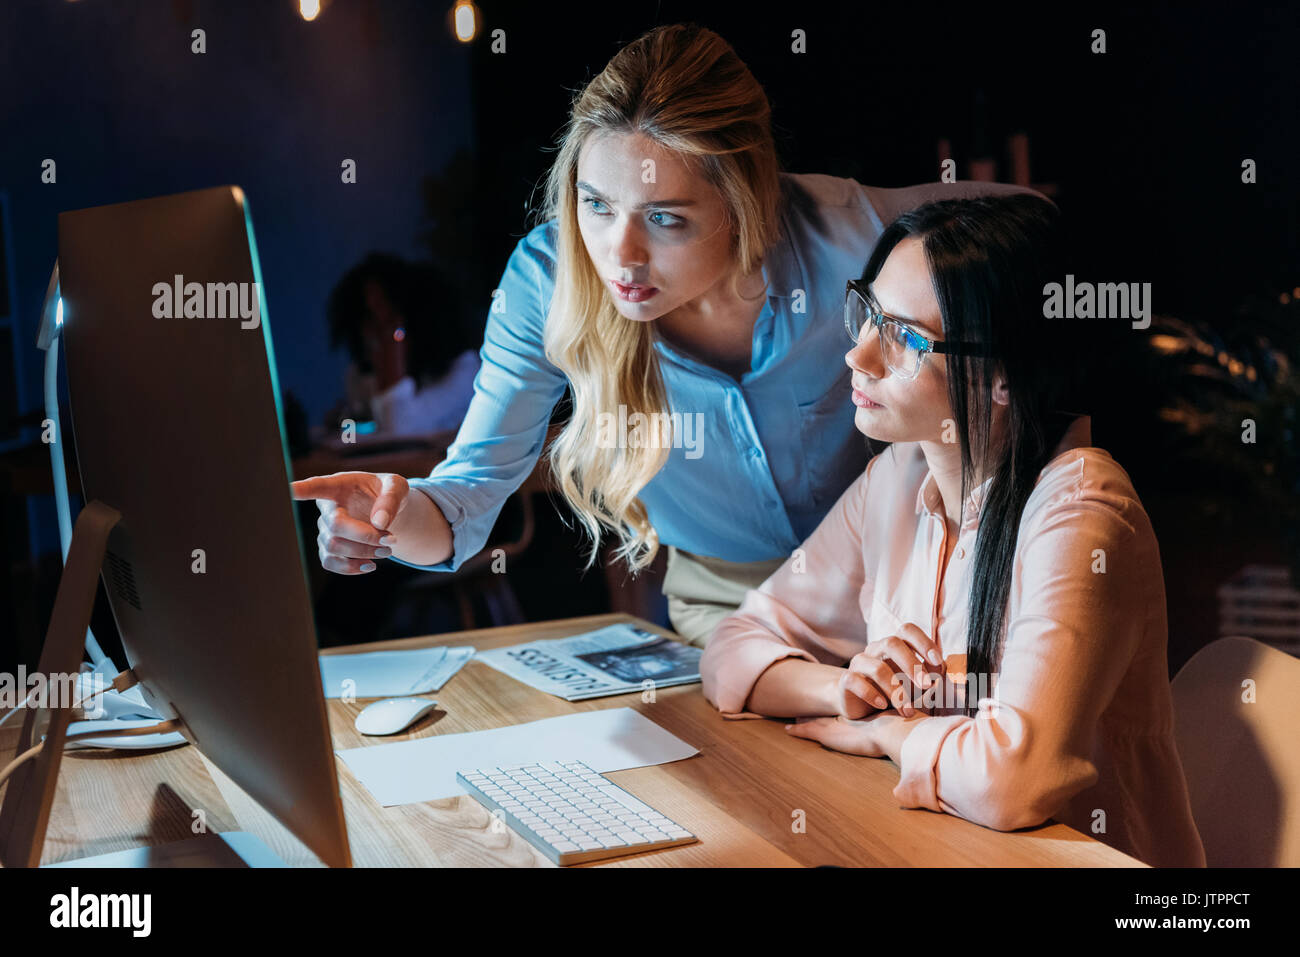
689,295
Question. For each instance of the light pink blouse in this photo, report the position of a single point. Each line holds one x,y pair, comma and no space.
1077,725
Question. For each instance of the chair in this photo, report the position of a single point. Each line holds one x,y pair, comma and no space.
1240,756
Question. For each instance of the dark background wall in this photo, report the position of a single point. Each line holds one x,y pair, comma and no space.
112,92
1142,148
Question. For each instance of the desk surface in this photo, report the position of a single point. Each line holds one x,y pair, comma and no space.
741,795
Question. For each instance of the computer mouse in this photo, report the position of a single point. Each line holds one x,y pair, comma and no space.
392,715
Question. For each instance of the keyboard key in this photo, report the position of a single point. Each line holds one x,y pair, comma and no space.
629,802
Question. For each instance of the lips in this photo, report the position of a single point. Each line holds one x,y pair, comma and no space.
632,292
861,400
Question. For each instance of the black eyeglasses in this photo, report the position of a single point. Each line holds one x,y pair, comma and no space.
901,347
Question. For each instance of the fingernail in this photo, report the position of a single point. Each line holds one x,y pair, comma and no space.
368,567
934,657
383,552
882,704
380,519
388,540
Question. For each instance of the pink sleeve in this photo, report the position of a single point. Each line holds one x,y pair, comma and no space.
808,608
1029,748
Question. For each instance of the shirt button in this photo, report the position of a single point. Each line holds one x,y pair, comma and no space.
961,552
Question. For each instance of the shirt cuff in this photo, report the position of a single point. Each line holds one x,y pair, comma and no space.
732,680
917,786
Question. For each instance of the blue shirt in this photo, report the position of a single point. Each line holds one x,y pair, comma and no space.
777,447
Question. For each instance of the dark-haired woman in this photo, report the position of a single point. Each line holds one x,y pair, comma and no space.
984,604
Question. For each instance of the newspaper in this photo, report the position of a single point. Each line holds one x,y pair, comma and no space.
613,660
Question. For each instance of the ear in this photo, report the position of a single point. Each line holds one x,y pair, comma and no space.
1000,394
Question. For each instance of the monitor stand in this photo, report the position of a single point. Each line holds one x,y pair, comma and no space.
29,793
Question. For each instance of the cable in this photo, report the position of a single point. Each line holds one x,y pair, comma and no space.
121,682
16,708
162,727
25,756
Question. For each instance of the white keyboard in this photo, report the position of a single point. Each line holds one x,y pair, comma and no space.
570,813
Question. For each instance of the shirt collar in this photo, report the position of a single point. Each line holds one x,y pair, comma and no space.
927,498
1077,435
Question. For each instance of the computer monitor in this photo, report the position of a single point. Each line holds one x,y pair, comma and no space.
178,425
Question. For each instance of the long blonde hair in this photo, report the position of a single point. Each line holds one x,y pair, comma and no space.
684,87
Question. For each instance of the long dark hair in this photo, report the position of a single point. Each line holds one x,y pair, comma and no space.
989,260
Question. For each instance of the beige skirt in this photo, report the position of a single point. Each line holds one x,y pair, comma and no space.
701,591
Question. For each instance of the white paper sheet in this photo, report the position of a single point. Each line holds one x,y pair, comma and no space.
391,674
612,739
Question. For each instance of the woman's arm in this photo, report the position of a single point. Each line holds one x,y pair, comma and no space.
794,687
504,429
1069,647
423,535
782,651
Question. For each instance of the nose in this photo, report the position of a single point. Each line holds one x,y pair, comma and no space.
865,356
628,249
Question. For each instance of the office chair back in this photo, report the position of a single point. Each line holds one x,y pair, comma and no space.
1236,712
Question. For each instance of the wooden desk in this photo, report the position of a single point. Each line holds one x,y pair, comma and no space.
740,795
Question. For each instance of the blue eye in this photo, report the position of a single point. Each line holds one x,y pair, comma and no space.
591,202
675,222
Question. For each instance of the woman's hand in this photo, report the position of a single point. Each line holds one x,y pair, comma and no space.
892,670
356,511
879,736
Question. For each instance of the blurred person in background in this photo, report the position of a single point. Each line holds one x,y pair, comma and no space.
413,366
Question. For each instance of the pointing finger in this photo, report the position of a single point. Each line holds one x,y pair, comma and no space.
317,487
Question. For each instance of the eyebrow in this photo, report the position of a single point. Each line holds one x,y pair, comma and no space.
911,323
656,203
